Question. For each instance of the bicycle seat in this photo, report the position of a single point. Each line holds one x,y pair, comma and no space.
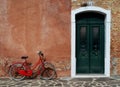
24,57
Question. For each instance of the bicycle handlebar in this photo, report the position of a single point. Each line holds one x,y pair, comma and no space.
40,53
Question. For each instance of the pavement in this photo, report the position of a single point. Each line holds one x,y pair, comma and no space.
62,82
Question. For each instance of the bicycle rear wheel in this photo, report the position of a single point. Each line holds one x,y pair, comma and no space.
49,72
13,72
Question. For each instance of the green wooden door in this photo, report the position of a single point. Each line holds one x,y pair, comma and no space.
90,45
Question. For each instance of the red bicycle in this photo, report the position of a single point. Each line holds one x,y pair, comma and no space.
21,70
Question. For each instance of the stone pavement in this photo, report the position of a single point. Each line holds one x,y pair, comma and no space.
62,82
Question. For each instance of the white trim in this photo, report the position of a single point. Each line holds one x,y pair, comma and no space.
107,14
90,76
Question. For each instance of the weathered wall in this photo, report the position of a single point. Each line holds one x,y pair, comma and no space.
114,6
27,26
30,25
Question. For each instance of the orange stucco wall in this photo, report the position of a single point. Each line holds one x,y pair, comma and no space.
27,26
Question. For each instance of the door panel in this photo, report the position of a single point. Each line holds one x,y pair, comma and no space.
96,48
89,48
82,49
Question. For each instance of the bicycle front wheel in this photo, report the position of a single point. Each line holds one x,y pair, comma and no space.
49,72
13,72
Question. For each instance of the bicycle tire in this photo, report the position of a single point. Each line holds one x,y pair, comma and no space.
49,72
14,75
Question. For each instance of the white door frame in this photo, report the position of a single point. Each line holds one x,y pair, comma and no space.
107,22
